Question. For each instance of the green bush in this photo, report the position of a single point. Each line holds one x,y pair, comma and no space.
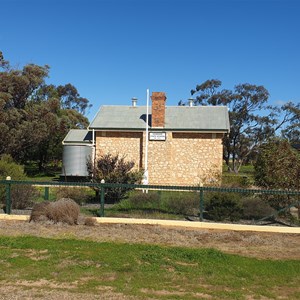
180,203
184,203
278,166
21,195
256,208
140,200
9,168
236,181
223,206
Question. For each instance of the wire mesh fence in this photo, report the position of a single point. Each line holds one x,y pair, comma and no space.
250,206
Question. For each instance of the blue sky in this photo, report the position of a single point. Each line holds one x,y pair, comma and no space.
114,50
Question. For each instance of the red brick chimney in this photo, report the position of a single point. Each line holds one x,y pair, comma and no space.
158,109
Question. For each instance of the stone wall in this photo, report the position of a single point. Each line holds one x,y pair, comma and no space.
129,144
182,159
197,158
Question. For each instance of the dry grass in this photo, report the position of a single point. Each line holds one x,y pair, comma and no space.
41,291
261,245
252,244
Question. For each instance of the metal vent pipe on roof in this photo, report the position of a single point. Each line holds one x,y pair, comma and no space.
134,101
191,102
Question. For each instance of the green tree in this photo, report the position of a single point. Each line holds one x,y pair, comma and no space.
34,116
71,100
291,120
46,105
209,93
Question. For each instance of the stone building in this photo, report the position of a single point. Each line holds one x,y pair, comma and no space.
184,142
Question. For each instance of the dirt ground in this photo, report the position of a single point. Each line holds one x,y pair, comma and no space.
260,245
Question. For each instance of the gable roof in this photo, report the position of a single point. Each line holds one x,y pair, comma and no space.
78,136
179,118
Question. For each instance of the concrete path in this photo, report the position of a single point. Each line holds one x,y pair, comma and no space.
186,224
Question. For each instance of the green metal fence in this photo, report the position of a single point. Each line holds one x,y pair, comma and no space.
101,187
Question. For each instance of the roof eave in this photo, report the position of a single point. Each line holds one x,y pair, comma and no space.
78,143
161,129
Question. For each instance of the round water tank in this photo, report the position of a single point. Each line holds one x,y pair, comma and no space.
75,158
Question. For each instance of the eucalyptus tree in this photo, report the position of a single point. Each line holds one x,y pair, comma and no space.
34,116
291,120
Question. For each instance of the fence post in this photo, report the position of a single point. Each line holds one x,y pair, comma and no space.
102,199
46,196
201,204
102,202
8,195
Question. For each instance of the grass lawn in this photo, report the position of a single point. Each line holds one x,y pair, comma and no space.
144,271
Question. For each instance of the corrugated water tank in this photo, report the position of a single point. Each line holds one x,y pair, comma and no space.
75,158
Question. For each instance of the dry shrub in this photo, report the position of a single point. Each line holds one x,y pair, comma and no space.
90,221
38,212
64,210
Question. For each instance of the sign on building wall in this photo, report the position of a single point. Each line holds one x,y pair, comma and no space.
157,136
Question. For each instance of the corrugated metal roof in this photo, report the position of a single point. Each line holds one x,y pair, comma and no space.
195,118
82,136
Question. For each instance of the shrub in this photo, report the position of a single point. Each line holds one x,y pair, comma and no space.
89,221
222,206
182,203
278,166
39,212
256,208
235,181
64,210
280,202
9,168
114,169
21,195
142,200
